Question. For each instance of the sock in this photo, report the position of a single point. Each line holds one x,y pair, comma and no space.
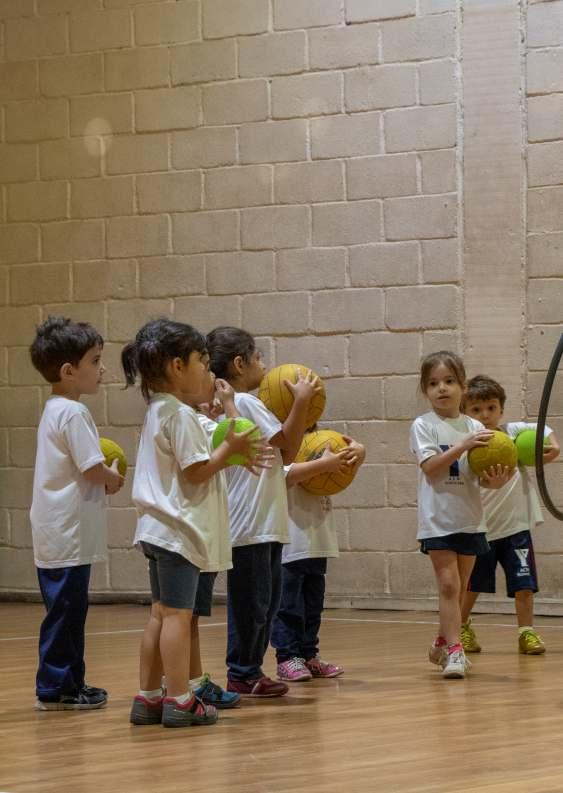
181,699
525,628
453,648
197,681
155,694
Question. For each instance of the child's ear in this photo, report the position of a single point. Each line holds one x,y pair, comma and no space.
66,371
238,364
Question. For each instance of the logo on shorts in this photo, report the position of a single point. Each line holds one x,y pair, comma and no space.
522,554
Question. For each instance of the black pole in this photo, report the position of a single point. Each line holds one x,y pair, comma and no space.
544,404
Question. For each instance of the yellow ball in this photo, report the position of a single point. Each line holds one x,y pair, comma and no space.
278,398
312,447
500,450
112,450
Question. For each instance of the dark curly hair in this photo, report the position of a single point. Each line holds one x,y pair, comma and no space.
59,340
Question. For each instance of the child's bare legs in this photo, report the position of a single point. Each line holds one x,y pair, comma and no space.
166,647
452,573
195,653
468,601
524,602
465,566
151,662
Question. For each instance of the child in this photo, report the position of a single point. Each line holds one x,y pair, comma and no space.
450,516
258,512
182,524
510,513
68,510
304,562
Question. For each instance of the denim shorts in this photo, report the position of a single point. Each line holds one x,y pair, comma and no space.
204,594
516,556
173,578
463,543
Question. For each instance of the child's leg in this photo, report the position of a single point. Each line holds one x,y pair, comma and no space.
150,668
275,570
175,649
196,670
524,602
313,595
468,600
465,565
447,575
288,628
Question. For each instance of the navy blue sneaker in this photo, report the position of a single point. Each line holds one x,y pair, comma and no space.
212,694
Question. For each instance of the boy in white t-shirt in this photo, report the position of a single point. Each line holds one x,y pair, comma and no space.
510,514
68,511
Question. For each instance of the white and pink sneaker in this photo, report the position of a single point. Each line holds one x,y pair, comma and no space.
320,668
293,670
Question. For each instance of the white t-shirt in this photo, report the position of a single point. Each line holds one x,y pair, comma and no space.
515,506
451,503
68,513
258,504
187,519
312,531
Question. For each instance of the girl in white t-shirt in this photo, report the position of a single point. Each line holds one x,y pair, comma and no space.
181,502
257,511
451,528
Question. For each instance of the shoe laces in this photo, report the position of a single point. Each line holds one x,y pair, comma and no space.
295,664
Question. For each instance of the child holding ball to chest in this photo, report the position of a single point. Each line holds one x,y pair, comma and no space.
451,526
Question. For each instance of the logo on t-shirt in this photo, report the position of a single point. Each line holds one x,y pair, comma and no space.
453,476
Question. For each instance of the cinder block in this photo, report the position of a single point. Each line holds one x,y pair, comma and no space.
348,310
240,273
440,261
545,25
167,23
419,38
544,164
249,185
402,398
421,307
315,13
171,276
122,523
61,6
355,398
39,283
167,108
438,82
384,264
142,67
169,192
125,317
438,171
306,95
378,87
137,154
128,571
367,491
18,569
92,198
545,209
401,485
67,159
545,117
545,253
410,575
396,527
384,353
203,62
342,47
95,314
307,182
381,177
102,114
346,136
421,217
205,313
365,10
235,103
545,71
204,147
273,141
101,30
37,201
22,372
435,340
34,37
311,269
100,280
44,119
18,162
272,53
17,8
19,80
437,6
280,313
147,235
200,232
325,355
419,128
19,243
222,18
347,223
73,74
75,239
385,441
20,406
357,573
544,301
275,227
20,528
18,325
542,341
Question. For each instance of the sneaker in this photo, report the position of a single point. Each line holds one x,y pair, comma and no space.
146,711
191,713
468,638
530,643
293,670
263,687
456,665
438,652
320,668
212,694
91,690
82,700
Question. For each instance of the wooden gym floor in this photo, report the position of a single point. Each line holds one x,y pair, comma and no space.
389,724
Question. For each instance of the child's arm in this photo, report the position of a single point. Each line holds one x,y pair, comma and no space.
108,476
496,477
435,466
551,449
234,443
328,462
356,452
288,440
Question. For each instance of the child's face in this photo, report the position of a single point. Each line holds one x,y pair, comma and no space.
194,380
87,376
443,391
255,370
487,411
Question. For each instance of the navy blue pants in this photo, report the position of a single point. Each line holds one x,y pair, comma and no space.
295,631
61,636
253,596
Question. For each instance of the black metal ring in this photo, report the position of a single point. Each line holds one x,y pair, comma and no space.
544,404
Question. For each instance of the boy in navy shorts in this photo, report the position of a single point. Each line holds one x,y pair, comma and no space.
510,513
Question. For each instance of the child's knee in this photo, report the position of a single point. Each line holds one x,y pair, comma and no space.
449,588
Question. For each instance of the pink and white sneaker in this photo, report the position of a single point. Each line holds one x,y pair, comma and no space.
293,670
438,652
320,668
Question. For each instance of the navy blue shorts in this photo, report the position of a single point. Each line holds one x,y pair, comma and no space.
173,578
204,594
516,555
463,543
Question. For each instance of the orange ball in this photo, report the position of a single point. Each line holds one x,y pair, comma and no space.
278,398
312,447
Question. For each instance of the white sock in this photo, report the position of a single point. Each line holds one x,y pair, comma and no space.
525,628
156,694
181,699
196,682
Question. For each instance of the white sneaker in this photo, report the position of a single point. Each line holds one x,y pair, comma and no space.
438,653
456,665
